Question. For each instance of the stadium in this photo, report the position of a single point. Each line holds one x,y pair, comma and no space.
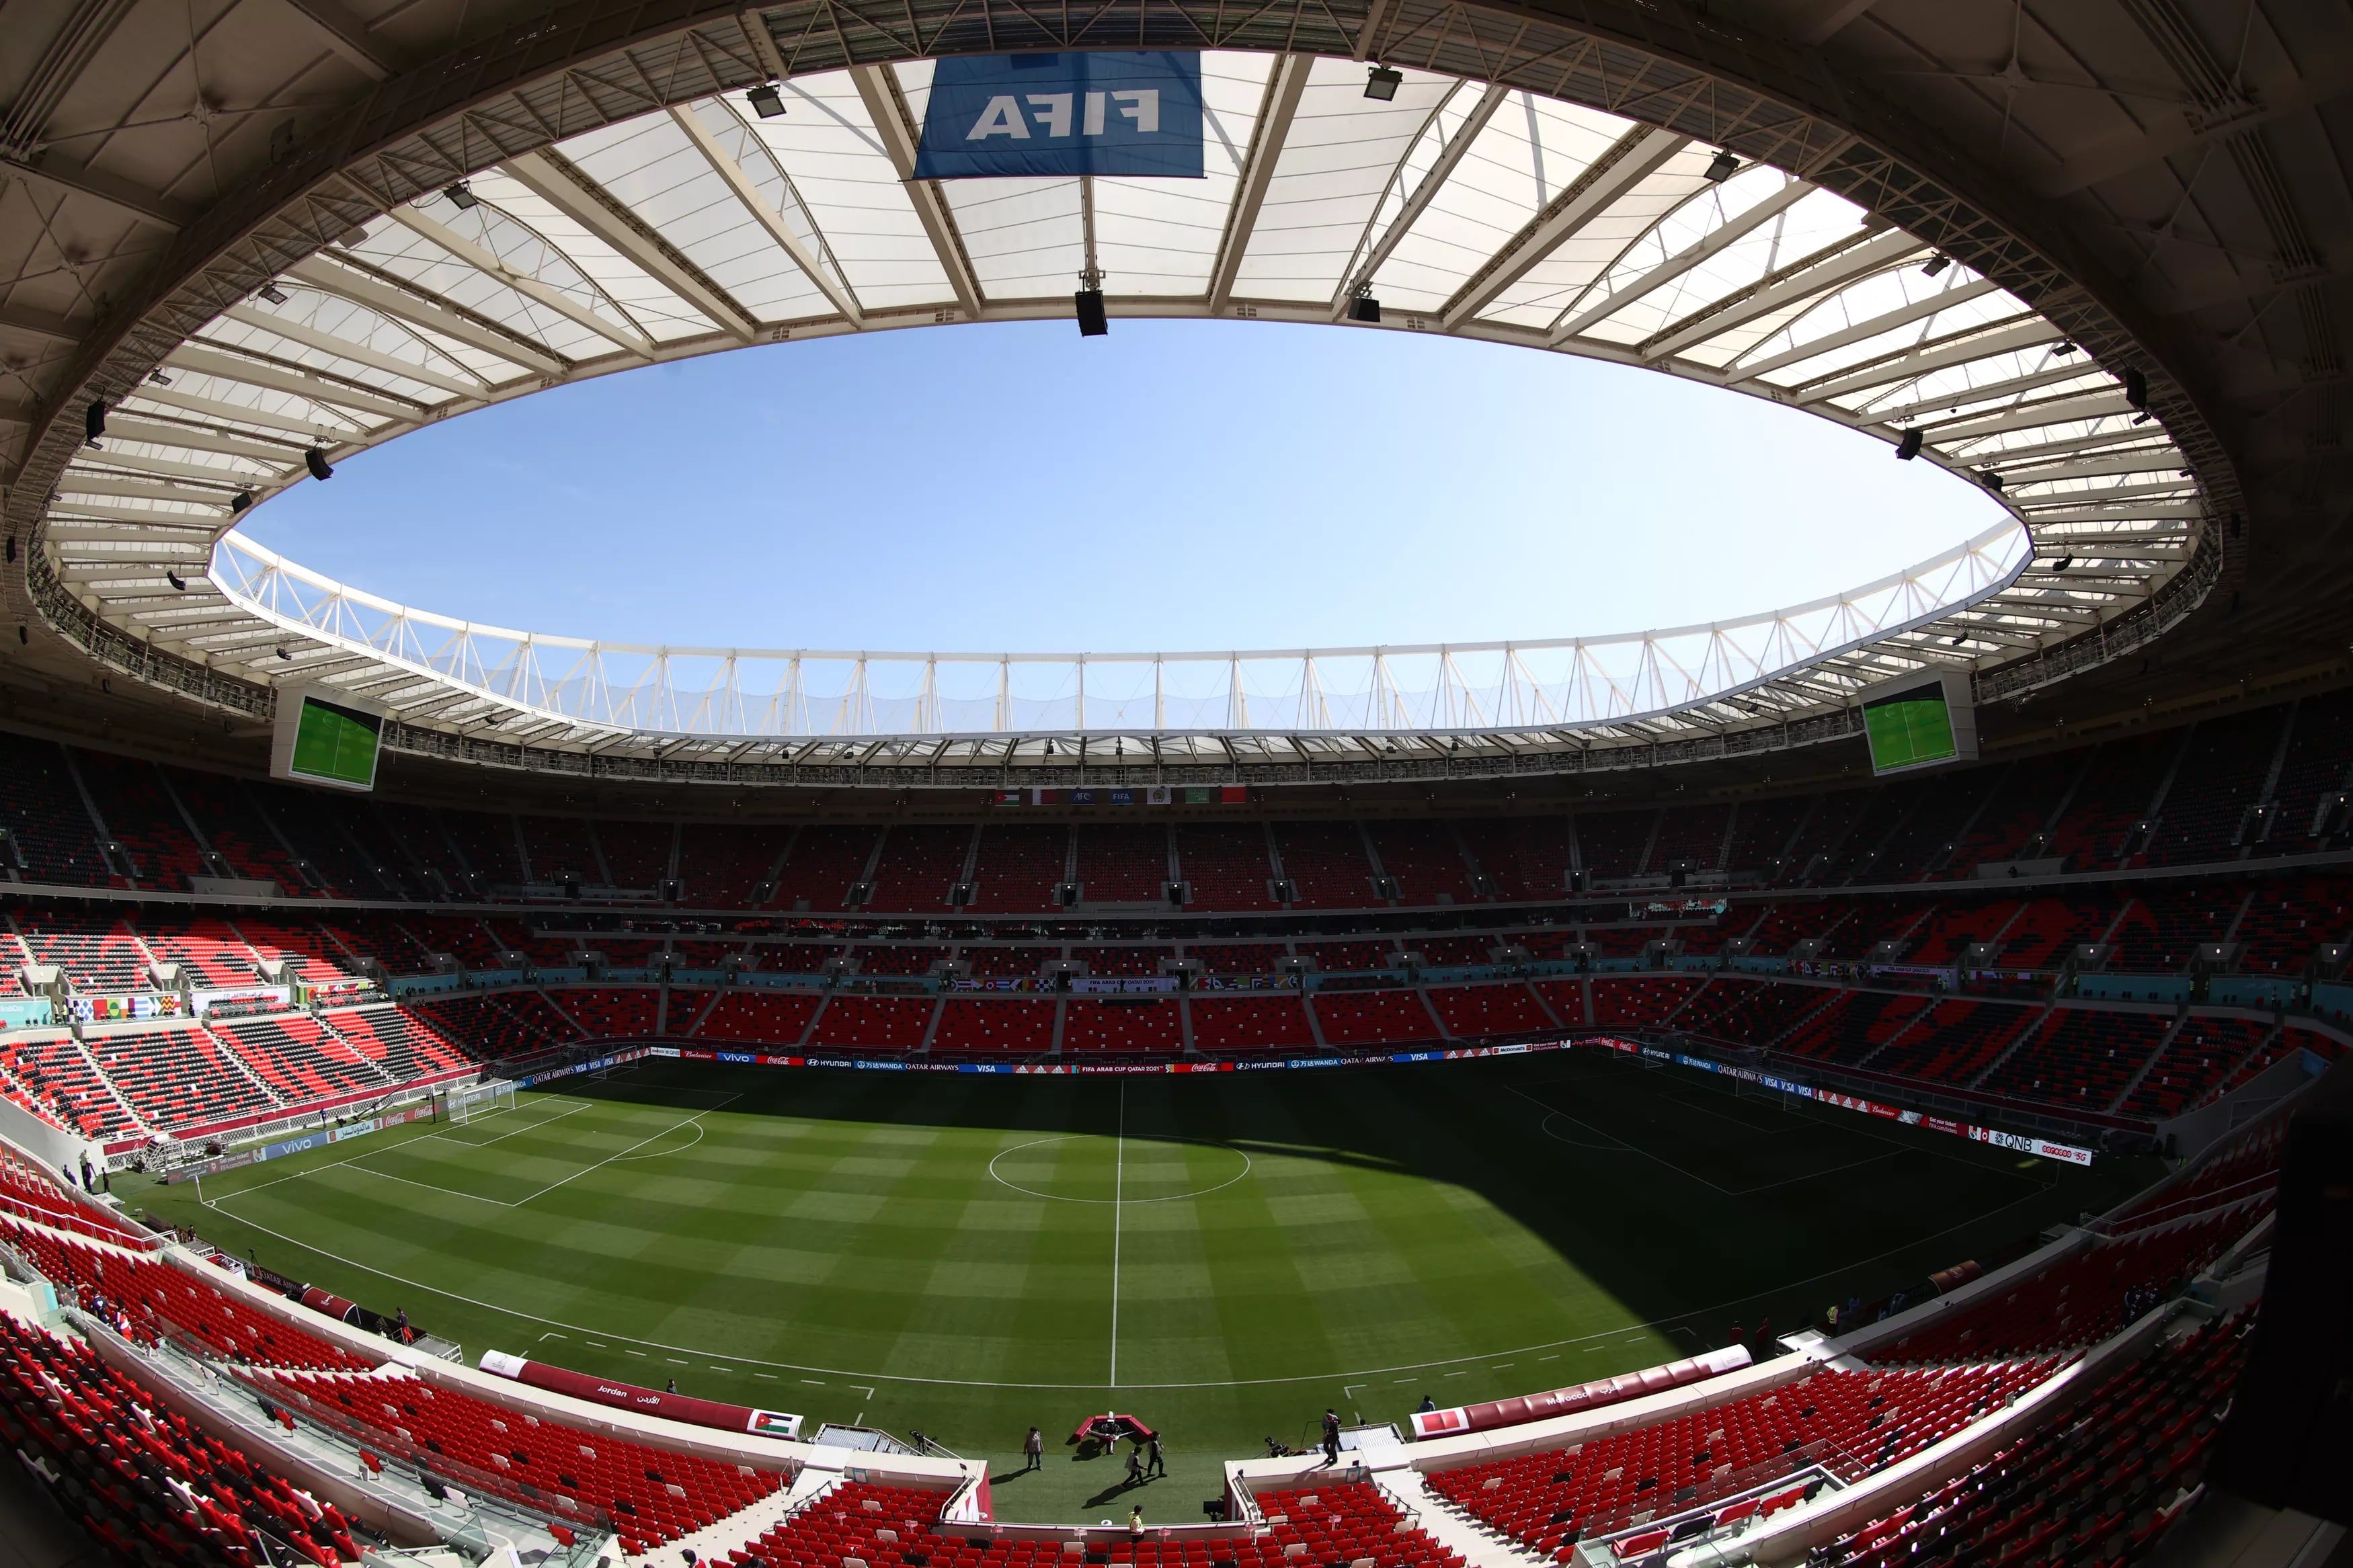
1831,1084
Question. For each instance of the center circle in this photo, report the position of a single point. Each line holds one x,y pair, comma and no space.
1131,1170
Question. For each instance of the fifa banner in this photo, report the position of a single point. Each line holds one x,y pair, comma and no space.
2065,1153
1080,114
644,1401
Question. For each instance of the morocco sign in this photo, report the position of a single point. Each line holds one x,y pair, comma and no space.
1124,114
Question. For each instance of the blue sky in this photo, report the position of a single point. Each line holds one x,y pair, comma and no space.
1176,485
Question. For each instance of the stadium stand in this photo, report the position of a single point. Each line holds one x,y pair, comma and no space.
919,865
871,1022
1123,863
183,1077
651,1496
824,863
994,1027
1848,1423
1125,1027
1424,860
2103,1486
1374,1017
1231,1025
636,854
1018,867
2080,1057
98,952
1326,864
721,866
1476,1011
759,1017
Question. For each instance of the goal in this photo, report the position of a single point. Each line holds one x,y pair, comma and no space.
471,1102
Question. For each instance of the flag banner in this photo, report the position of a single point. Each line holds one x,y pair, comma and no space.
1076,113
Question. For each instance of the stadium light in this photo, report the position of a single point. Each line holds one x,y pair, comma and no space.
1937,264
1382,84
766,101
159,378
1991,480
1720,167
2062,348
1092,322
271,292
239,501
463,194
315,459
1909,448
1364,308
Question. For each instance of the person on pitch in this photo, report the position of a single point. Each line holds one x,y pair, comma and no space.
1033,1451
1156,1462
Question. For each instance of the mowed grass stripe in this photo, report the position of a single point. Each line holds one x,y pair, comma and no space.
831,1233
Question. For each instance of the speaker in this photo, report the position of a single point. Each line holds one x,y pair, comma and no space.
2289,1439
1092,322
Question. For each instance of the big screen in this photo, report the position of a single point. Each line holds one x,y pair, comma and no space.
1917,727
324,742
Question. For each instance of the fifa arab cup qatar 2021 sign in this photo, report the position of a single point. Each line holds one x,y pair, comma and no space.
1129,115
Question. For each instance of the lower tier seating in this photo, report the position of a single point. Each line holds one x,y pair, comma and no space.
1374,1019
872,1023
179,1077
2100,1486
1133,1029
758,1017
299,1059
397,1043
1850,1423
1231,1025
1469,1012
651,1496
1337,1523
1006,1028
143,1482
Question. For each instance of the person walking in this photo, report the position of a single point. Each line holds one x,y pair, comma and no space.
1156,1463
1033,1451
1135,1464
1331,1436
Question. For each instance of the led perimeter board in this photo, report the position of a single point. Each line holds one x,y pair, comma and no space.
1920,723
326,739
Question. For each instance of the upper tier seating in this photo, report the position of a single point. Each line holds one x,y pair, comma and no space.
724,865
98,952
488,1027
822,866
1527,856
1639,1002
920,864
1326,864
2079,1058
1226,865
651,1496
1018,867
637,854
130,798
210,949
236,828
41,809
1424,859
1123,863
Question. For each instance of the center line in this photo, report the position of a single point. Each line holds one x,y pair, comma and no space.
1118,1190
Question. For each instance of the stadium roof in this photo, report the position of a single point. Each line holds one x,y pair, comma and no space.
555,202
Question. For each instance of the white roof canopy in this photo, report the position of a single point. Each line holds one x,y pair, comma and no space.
1461,207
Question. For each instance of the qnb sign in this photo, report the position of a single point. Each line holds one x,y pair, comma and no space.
1131,115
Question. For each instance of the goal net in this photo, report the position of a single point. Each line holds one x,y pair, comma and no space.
472,1101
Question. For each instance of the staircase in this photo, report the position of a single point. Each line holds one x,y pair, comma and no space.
1443,1524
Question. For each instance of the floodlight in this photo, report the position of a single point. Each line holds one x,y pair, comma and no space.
1991,480
2136,387
1909,448
1092,322
2062,348
766,101
463,194
173,578
159,378
1364,308
1720,167
93,421
1382,84
315,459
239,501
1937,264
271,292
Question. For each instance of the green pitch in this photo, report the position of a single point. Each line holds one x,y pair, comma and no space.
1222,1255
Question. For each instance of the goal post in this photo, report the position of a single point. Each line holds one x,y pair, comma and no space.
468,1103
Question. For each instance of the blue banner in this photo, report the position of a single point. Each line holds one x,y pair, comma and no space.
1125,114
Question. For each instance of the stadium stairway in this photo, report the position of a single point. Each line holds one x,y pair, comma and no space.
746,1525
1448,1525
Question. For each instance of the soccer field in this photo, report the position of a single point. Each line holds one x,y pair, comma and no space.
1222,1255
